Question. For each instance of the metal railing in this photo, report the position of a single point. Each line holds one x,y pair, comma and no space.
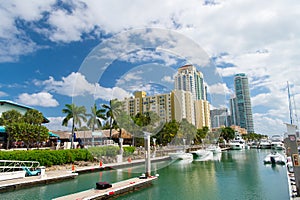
16,165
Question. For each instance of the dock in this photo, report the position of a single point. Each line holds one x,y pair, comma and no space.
61,175
117,189
50,177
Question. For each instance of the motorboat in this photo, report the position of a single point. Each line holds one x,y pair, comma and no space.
275,158
277,145
214,148
202,155
277,142
264,144
237,143
181,156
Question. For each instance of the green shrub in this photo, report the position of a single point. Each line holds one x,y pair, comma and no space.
128,150
48,157
104,151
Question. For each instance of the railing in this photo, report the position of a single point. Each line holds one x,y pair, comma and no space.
16,165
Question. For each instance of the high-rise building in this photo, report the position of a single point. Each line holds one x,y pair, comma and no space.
219,117
188,78
242,106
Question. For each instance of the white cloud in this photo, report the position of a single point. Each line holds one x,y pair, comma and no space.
259,37
43,99
75,84
56,124
168,79
219,88
3,94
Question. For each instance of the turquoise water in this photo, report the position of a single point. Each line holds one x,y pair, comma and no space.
237,175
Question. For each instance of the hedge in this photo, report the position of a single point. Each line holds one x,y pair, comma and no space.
48,157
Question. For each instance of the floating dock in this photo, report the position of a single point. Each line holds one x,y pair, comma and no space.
26,182
117,189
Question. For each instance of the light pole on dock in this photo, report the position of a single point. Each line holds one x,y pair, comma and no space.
147,154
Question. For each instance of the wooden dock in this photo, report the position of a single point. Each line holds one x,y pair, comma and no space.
117,189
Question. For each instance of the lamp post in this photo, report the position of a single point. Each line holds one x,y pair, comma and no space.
147,154
154,147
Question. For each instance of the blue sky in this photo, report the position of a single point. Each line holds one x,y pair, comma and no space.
46,47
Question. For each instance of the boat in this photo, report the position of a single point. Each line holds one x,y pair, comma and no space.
181,156
214,148
274,158
202,155
264,144
237,143
277,143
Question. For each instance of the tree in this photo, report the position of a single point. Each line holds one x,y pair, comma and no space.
95,116
201,134
112,111
186,131
33,116
94,119
10,117
168,132
76,113
227,133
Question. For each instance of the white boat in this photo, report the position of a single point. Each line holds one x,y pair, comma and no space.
202,155
181,156
237,143
275,158
214,148
264,144
277,142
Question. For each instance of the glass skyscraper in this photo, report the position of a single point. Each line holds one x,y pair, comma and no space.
241,105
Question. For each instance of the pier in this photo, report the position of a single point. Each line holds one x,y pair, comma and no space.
117,189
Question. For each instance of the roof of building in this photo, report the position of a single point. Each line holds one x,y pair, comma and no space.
2,102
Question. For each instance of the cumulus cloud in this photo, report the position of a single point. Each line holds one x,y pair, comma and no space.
219,88
257,37
168,79
75,84
56,124
43,99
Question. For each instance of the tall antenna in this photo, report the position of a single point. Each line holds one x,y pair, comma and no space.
290,103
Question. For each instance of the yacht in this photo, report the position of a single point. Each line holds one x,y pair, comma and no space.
202,155
277,143
214,148
264,144
181,156
237,143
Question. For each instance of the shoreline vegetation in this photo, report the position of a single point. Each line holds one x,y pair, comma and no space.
65,159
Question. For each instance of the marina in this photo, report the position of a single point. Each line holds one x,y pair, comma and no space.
236,175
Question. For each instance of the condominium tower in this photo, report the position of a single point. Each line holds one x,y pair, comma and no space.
189,79
241,109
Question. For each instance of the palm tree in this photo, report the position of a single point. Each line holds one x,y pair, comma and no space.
76,113
94,118
112,111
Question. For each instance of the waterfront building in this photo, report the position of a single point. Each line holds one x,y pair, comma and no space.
202,113
188,78
241,110
219,117
161,104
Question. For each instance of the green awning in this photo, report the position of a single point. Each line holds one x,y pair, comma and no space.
53,135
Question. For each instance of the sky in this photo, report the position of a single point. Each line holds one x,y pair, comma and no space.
54,53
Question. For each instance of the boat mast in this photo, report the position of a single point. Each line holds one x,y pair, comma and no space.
290,103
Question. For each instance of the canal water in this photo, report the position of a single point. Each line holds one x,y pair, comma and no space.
234,175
